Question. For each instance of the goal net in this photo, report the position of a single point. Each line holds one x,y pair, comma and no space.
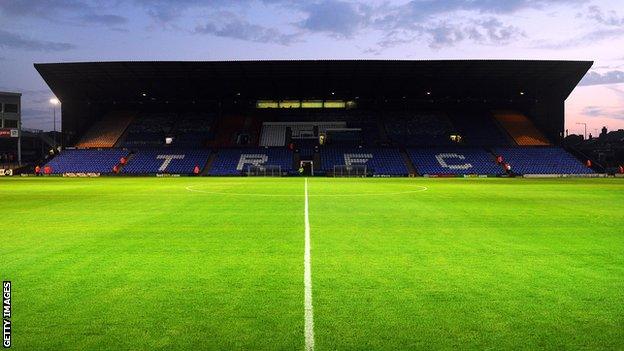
350,171
264,171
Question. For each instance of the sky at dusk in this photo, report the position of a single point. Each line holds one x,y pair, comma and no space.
114,30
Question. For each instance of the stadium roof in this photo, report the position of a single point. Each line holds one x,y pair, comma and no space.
182,81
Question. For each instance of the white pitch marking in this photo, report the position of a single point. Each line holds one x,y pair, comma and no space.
307,279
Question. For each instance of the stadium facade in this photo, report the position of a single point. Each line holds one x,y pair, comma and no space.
10,130
381,118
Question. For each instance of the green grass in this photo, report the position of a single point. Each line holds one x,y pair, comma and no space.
144,263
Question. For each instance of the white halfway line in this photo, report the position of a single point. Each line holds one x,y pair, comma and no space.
307,280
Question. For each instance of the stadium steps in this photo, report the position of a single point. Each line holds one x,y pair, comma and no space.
122,138
408,162
520,128
209,163
583,157
128,160
106,132
542,160
494,156
503,131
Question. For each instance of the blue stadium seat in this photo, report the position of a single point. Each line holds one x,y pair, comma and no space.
148,130
193,130
166,160
456,160
306,146
541,160
86,161
235,161
378,161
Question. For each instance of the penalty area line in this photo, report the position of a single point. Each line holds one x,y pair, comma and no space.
307,278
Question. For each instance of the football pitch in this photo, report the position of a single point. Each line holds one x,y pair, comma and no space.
219,263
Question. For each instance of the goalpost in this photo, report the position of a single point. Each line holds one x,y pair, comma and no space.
264,171
350,171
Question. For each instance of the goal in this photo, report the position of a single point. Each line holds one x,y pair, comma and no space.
264,171
350,171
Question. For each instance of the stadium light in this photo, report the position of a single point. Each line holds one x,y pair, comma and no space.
143,94
428,93
55,102
522,93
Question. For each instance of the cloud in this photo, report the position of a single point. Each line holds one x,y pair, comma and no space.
446,23
71,12
237,28
489,31
610,18
371,51
428,7
168,10
437,23
335,17
595,78
343,19
107,19
603,112
415,11
604,26
14,41
41,8
590,38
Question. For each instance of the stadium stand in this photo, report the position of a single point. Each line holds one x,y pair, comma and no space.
378,161
273,135
478,128
235,161
454,160
86,160
106,131
397,117
306,147
148,130
370,134
541,160
420,128
193,130
166,160
521,129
